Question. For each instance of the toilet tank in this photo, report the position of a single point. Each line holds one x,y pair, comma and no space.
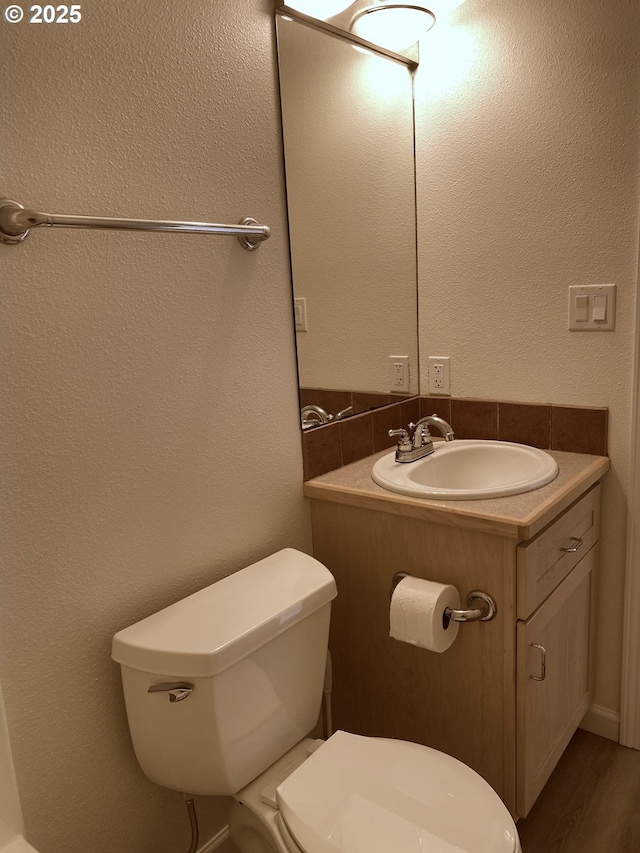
250,653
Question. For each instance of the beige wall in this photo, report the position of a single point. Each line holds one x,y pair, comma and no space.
528,182
150,410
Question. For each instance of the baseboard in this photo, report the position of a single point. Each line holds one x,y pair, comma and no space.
602,721
220,843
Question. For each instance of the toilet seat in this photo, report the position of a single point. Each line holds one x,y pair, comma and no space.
374,795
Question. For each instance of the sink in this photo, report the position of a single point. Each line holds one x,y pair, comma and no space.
468,470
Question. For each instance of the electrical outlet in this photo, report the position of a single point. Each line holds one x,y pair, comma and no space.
439,375
399,373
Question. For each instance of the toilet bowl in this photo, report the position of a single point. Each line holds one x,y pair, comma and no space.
357,794
222,689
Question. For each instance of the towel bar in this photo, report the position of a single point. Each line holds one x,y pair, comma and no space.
15,223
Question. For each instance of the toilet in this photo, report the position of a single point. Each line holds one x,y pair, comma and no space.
222,690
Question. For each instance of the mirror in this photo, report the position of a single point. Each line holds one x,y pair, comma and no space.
347,116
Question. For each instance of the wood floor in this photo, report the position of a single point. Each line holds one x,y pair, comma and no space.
591,803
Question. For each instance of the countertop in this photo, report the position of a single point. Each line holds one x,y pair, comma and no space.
517,516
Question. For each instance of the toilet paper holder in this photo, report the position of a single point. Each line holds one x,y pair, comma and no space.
485,610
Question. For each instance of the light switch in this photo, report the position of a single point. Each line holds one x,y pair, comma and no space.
581,314
300,313
592,307
600,308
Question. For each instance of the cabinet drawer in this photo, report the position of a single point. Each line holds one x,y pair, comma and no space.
543,562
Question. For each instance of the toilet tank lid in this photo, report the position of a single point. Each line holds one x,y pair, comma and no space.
209,631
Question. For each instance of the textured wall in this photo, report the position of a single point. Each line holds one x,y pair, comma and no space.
150,415
527,168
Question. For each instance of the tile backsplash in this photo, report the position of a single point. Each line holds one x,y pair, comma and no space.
334,401
547,426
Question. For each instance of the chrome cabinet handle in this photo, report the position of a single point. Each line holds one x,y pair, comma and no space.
177,690
578,544
543,662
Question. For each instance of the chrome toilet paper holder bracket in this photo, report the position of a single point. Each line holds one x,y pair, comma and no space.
485,610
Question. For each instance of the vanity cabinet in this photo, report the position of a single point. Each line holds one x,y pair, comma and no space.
555,578
486,700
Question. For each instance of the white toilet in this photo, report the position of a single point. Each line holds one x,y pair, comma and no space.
222,689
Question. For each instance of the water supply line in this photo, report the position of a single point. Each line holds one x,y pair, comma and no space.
326,699
193,822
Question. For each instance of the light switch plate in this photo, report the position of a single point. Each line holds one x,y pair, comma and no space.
582,318
300,313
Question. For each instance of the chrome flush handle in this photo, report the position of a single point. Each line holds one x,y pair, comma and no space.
177,690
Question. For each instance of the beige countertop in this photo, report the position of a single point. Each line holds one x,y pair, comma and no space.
518,516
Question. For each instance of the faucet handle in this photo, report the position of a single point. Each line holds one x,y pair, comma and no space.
344,412
404,440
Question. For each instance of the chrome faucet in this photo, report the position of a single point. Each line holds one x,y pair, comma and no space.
315,415
416,442
431,421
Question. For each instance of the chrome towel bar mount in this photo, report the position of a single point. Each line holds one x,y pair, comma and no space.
484,611
16,222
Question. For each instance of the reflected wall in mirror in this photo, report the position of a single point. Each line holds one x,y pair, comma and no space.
347,118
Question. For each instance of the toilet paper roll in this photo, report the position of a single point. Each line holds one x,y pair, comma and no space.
416,614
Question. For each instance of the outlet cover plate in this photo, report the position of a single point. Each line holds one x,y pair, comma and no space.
398,374
439,375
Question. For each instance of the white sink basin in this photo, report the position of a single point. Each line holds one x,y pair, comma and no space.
468,470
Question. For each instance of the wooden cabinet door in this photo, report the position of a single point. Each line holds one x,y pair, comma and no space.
552,680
